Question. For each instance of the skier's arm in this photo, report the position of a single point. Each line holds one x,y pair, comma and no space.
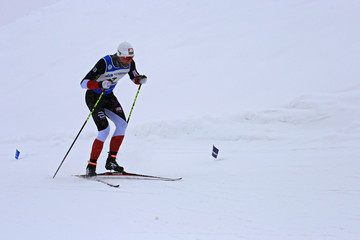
135,76
89,81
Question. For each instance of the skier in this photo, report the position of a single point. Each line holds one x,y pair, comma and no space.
103,77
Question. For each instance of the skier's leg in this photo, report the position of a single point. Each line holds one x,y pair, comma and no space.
118,118
102,125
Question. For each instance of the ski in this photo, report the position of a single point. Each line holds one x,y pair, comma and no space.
136,175
107,183
128,175
94,178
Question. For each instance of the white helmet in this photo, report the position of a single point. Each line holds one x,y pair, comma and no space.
125,50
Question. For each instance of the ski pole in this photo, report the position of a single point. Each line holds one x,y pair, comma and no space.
79,133
133,104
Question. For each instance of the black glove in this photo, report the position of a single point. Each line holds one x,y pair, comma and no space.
142,79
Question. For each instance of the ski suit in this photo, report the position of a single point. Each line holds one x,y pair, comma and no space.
107,68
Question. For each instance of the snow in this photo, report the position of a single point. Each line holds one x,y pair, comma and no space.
273,84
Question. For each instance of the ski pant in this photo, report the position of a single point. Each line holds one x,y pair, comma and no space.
108,107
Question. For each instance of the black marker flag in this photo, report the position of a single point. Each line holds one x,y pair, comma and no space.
215,152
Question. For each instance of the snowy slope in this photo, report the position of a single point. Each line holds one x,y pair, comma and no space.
273,84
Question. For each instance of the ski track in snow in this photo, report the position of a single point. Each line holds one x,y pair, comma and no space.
283,110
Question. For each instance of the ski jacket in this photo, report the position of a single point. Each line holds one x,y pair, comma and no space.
108,68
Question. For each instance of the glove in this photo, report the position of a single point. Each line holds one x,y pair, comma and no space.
142,79
105,84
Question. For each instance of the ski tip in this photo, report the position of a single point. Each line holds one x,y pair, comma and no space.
111,185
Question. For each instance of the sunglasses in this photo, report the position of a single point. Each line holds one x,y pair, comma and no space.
128,58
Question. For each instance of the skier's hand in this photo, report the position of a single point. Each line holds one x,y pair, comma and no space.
142,79
105,84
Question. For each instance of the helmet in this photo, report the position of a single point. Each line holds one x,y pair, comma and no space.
125,50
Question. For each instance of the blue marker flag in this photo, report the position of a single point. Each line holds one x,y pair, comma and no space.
17,154
215,152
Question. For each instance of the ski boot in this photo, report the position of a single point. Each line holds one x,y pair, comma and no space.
111,163
91,168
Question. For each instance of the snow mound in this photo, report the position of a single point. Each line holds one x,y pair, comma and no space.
325,114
